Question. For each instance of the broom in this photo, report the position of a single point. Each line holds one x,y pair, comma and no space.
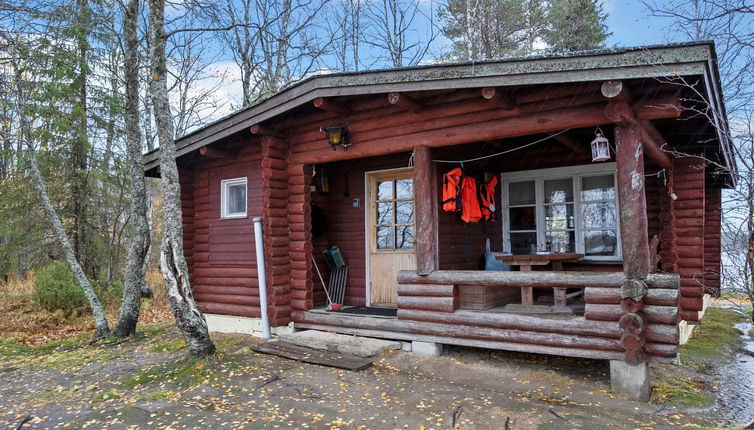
331,305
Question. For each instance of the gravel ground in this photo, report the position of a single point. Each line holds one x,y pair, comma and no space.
149,384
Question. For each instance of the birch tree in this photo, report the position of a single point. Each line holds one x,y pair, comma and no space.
391,30
189,319
729,23
24,136
133,284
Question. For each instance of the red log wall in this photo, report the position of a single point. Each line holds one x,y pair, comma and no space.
688,210
712,225
221,252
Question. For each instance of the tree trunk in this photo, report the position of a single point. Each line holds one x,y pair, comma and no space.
80,143
139,246
100,319
189,319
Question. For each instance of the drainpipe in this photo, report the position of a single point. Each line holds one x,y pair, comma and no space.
261,276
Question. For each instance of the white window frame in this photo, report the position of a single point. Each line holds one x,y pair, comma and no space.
575,173
225,184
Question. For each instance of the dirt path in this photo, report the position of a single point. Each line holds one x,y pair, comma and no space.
147,384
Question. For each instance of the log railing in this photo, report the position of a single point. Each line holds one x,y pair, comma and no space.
431,301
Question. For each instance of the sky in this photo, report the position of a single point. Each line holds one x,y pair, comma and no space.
631,25
628,20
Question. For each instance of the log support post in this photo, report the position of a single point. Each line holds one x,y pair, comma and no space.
300,234
425,197
276,241
631,378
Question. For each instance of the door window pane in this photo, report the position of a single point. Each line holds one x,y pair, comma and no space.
385,237
598,215
404,189
521,193
384,190
559,190
597,188
523,218
404,237
385,213
600,242
404,212
523,243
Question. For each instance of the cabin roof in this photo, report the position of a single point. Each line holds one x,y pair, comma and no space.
656,61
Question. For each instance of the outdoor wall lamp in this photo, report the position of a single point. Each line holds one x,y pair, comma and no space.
337,135
600,147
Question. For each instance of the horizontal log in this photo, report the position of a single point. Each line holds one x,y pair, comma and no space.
198,288
227,299
654,296
465,332
575,326
611,312
542,279
475,343
438,304
662,333
226,309
225,272
692,303
661,349
439,290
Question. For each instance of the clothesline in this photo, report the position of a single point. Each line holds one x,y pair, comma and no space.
503,152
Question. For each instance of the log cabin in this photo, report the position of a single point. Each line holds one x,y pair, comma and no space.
610,256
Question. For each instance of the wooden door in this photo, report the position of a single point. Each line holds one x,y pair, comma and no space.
390,228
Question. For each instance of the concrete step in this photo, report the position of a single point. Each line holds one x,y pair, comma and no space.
356,345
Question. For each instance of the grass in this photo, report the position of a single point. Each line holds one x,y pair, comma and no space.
712,342
682,390
187,373
168,346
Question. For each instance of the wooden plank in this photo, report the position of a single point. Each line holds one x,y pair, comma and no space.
312,356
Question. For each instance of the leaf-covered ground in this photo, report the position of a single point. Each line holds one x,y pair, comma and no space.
148,383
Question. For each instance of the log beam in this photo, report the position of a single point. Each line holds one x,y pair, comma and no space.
261,130
654,144
217,153
494,95
404,101
425,197
330,106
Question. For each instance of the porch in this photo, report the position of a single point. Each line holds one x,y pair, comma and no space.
428,311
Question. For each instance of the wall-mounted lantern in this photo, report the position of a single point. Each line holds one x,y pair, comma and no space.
600,147
337,135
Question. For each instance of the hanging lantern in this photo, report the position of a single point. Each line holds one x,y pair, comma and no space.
337,135
600,147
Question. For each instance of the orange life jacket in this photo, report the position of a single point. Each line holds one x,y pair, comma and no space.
487,196
451,190
469,200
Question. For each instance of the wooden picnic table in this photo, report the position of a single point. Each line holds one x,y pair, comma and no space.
525,263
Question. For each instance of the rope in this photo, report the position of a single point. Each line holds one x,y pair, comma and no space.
503,152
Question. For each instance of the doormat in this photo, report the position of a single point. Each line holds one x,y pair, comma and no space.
364,310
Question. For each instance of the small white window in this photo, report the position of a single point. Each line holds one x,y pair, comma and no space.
233,198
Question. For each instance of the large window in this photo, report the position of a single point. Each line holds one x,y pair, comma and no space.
233,198
571,209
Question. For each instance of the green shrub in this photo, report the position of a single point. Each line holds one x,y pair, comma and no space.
109,293
55,288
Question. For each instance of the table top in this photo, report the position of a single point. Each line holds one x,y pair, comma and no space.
523,259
